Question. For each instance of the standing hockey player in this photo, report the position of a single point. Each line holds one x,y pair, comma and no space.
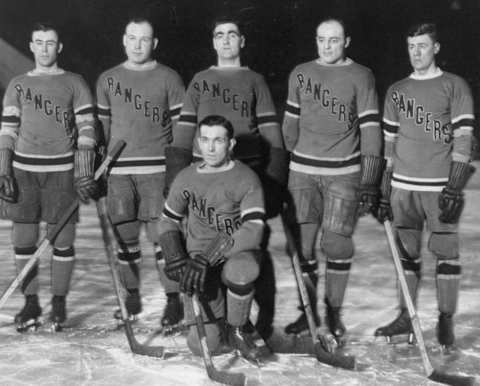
242,96
222,202
428,124
138,101
331,126
46,158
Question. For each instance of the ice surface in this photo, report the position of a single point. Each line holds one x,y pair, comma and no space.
93,351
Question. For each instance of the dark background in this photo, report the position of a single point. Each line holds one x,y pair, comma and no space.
280,34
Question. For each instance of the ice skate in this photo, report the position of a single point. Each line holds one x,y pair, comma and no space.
334,323
445,334
399,328
133,304
58,315
28,318
172,314
243,343
300,326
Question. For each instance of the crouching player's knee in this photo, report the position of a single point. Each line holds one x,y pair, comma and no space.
241,270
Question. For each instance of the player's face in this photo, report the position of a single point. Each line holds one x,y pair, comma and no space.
227,41
45,48
139,42
215,146
331,42
422,50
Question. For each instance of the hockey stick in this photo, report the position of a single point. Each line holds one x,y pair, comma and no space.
324,356
53,233
225,377
434,375
109,243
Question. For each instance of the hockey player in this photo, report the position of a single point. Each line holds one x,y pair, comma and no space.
331,126
218,197
428,124
242,96
46,160
138,101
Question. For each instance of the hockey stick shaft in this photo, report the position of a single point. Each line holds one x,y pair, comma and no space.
109,244
417,329
227,378
53,232
333,359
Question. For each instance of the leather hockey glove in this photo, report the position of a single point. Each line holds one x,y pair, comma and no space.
174,253
384,210
84,181
368,192
8,190
451,200
176,158
274,181
193,280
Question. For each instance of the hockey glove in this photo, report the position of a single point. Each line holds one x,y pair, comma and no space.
176,158
368,191
384,209
8,191
215,251
84,181
193,280
175,255
451,199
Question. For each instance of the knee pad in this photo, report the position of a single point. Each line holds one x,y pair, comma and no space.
340,215
336,246
66,237
444,245
152,231
240,272
307,204
128,233
24,235
409,243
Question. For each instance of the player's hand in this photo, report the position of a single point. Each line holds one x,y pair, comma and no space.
367,199
86,188
384,211
451,203
175,268
193,280
8,190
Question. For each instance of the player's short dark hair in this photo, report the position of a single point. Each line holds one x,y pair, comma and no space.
329,19
217,120
140,20
224,19
45,26
429,29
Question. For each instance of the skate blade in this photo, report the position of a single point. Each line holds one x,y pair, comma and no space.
171,331
31,325
56,327
408,338
258,362
121,322
448,349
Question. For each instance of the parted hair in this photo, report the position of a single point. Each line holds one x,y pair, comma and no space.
217,120
418,29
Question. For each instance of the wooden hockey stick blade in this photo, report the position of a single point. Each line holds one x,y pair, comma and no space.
225,377
334,359
429,370
322,354
55,230
140,349
108,240
450,379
